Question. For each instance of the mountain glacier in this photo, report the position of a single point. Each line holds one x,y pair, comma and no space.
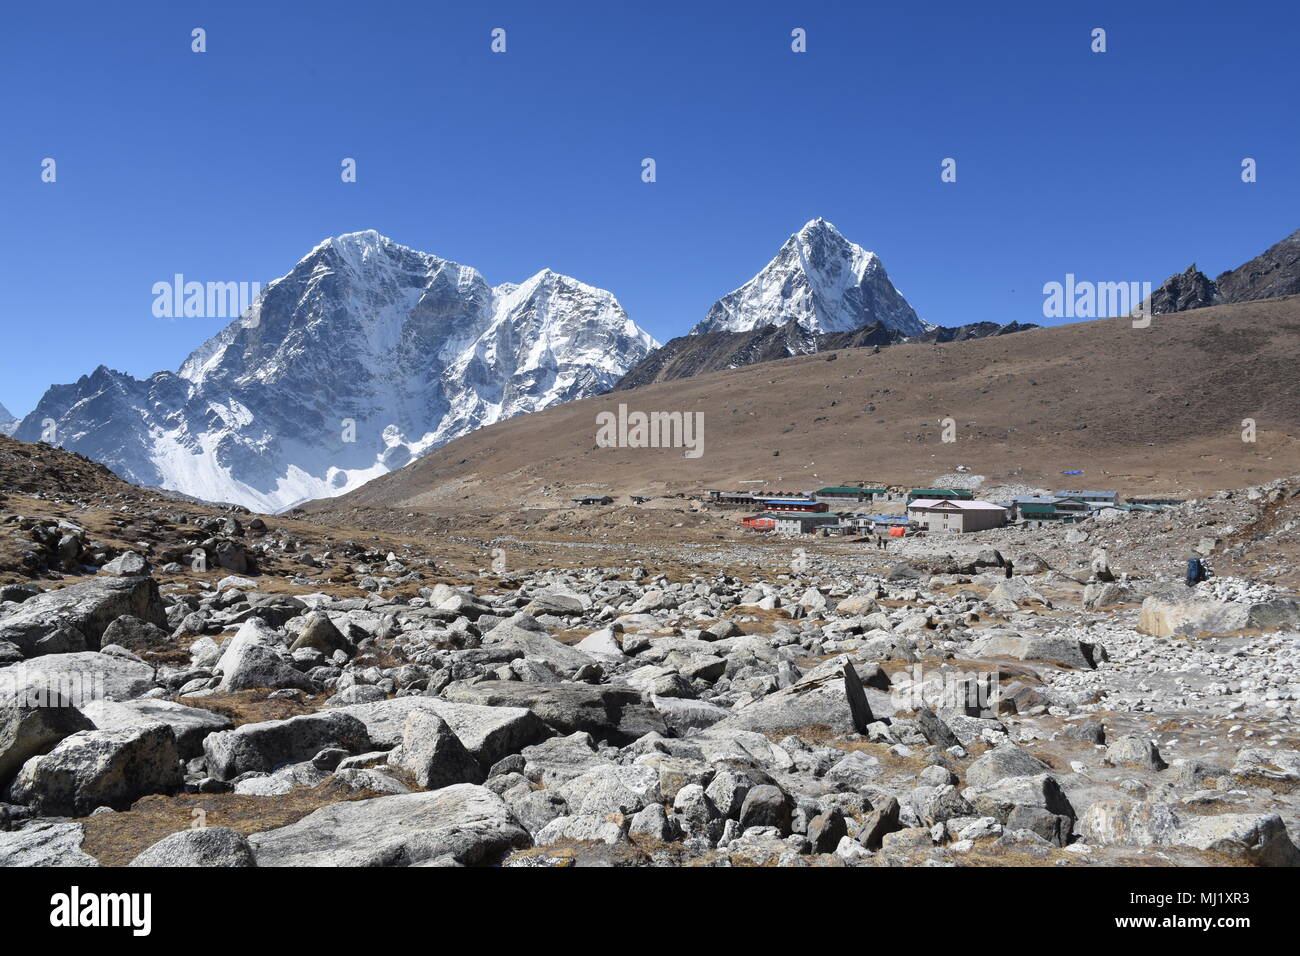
821,281
364,356
8,421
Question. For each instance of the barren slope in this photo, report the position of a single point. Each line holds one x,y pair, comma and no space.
1156,409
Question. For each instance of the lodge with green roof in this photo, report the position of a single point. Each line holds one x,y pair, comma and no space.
952,494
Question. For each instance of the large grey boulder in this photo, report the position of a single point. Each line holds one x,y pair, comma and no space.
1035,803
682,715
554,602
45,843
273,743
560,759
857,604
608,712
1267,763
608,789
207,846
75,679
489,733
1106,594
1258,838
88,607
319,632
938,804
1275,614
128,563
604,644
587,829
251,660
100,768
432,753
508,635
1013,593
189,725
467,822
1121,823
135,635
29,730
819,697
1135,751
1006,760
767,806
1178,609
1031,647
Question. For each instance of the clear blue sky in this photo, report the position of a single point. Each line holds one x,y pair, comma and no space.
224,166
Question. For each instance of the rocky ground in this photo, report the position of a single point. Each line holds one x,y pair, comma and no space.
306,695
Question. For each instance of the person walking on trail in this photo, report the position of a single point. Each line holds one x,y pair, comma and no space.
1007,568
1195,572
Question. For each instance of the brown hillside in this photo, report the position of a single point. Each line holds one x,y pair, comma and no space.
1156,409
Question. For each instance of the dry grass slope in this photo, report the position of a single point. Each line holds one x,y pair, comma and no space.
1156,409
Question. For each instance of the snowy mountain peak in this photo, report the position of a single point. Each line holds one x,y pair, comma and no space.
818,225
822,281
8,421
363,356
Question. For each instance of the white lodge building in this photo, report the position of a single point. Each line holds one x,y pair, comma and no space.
954,516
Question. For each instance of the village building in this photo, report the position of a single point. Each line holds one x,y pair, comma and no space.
794,504
873,524
1050,508
743,499
891,524
956,516
759,522
1038,514
846,494
941,494
800,522
855,523
1100,497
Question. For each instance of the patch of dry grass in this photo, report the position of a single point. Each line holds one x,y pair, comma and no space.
115,839
253,706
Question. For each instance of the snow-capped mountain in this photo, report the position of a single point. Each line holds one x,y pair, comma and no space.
364,356
823,282
8,421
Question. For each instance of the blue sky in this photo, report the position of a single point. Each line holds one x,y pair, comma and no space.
224,166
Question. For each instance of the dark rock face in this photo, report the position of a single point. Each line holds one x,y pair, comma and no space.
689,355
1273,273
767,806
972,330
1187,290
